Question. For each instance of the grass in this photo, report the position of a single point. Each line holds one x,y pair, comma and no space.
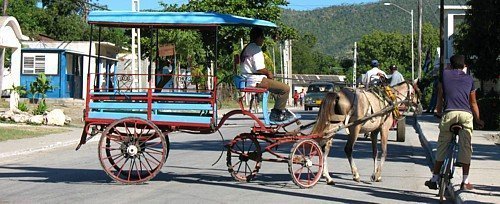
25,131
4,103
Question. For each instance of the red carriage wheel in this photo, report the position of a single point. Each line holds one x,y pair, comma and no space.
132,150
305,163
244,157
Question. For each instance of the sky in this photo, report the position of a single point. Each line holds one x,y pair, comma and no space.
117,5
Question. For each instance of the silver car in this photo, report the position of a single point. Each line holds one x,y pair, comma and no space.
316,91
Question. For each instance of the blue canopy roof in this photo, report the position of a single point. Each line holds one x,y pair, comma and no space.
171,19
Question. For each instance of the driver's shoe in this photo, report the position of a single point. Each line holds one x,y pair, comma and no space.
276,115
431,184
288,115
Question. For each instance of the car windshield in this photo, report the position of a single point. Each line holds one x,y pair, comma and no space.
320,88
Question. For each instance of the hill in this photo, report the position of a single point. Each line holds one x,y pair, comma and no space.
338,27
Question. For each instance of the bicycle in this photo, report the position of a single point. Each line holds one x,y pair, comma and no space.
448,167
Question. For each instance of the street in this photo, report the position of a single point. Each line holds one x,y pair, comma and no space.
64,175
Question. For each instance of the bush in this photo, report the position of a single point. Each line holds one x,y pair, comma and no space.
41,108
489,110
22,106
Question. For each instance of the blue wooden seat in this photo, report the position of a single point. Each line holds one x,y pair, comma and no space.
184,94
185,112
117,93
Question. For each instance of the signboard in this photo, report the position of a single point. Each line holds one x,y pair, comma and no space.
166,50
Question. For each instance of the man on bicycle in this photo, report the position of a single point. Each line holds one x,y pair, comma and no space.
457,92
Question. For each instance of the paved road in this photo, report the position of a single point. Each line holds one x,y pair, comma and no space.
62,175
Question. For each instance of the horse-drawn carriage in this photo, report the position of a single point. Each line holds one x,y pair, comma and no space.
135,121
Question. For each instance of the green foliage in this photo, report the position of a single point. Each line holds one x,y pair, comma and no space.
40,86
21,90
22,106
338,27
489,109
59,19
40,108
387,48
308,60
229,37
479,37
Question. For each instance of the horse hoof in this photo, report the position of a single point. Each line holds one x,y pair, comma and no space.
373,178
331,182
379,179
356,179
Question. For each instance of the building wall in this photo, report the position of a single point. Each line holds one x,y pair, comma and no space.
107,50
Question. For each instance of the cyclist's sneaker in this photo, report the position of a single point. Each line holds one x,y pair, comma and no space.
431,184
466,186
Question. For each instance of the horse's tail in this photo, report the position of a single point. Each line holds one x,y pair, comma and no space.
326,109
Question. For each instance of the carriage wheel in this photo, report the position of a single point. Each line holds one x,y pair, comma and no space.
401,130
132,150
305,163
244,157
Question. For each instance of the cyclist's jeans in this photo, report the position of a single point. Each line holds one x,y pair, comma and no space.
464,141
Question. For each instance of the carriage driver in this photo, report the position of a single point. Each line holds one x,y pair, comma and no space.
254,69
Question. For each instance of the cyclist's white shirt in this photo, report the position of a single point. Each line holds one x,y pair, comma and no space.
253,60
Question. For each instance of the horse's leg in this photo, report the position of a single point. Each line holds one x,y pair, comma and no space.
374,138
384,133
326,151
349,146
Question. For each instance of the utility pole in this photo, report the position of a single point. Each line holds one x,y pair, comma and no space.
355,65
441,41
420,16
4,9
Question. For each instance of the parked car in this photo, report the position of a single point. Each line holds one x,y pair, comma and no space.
316,91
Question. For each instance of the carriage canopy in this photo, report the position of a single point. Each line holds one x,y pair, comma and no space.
171,19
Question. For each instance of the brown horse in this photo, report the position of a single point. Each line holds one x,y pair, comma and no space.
353,105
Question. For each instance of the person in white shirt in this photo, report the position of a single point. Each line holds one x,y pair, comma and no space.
396,76
373,75
254,69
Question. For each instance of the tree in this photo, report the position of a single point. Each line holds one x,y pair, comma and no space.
230,36
387,48
479,36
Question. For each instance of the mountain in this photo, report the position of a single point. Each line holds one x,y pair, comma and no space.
338,27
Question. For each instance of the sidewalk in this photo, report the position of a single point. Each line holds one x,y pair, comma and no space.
485,166
26,146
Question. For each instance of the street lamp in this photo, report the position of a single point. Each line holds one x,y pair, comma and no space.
412,53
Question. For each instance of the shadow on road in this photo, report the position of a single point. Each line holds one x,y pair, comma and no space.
268,183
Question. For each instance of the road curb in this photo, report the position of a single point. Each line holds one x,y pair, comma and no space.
38,149
458,197
42,148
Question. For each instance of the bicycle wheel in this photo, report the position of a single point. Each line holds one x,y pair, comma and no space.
444,181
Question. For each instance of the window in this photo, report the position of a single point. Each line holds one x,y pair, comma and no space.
36,63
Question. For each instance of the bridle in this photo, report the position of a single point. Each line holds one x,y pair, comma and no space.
408,100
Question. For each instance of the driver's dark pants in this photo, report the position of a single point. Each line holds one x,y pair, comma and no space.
280,89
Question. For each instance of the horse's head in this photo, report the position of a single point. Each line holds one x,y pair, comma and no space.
414,97
410,94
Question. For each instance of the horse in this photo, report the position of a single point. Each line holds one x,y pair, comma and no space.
354,105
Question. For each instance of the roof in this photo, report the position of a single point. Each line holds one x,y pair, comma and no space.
305,79
171,19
